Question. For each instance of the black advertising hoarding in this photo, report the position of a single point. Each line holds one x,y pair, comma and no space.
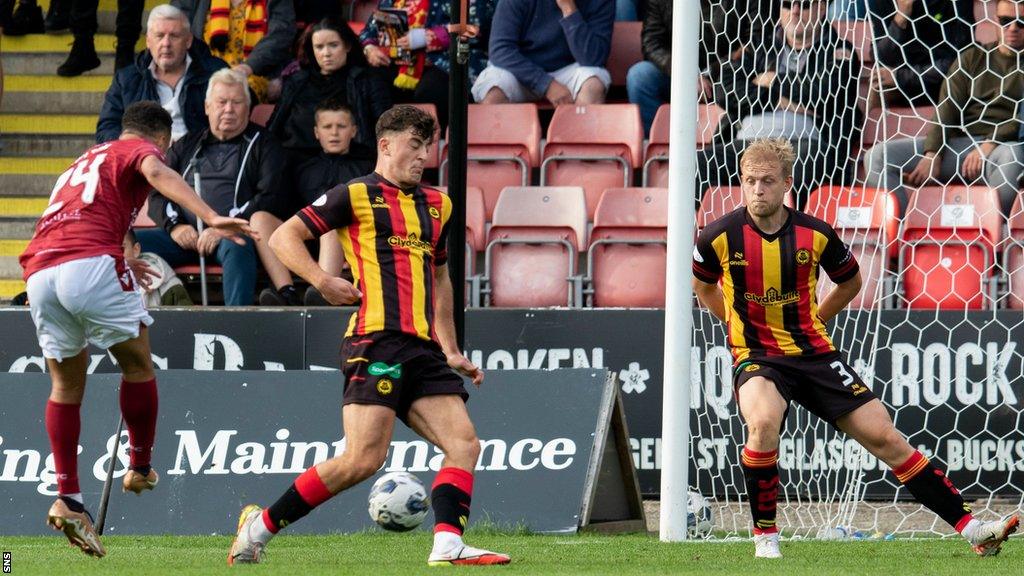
226,439
954,382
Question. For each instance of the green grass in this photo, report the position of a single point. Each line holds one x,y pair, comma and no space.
378,554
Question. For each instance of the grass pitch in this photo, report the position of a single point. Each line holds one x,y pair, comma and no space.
378,554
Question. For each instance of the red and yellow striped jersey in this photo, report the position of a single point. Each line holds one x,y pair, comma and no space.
393,239
770,281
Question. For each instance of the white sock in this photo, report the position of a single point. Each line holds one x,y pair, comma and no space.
258,531
972,528
77,497
445,541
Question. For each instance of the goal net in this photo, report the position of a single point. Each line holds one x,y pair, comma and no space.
934,332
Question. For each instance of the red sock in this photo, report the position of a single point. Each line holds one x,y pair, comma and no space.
63,425
139,404
451,496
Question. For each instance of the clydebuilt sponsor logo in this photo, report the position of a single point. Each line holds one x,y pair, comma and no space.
411,241
773,297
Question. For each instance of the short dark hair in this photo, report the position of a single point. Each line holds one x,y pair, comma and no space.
405,117
333,104
146,118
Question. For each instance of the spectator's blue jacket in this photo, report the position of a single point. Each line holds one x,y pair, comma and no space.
530,38
135,83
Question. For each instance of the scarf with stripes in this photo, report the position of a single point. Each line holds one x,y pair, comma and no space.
219,24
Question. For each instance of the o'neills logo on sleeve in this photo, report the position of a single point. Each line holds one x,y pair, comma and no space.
411,241
773,297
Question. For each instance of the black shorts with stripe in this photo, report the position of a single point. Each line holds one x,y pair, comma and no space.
824,384
394,369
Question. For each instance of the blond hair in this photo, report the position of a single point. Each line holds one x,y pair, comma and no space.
770,150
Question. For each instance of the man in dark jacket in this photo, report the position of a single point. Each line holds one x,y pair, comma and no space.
173,70
916,42
648,80
800,85
239,165
548,49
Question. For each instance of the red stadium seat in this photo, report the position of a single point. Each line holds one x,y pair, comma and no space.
1013,257
503,147
142,220
533,246
475,224
893,123
261,114
867,220
656,156
947,256
625,50
432,151
627,256
858,33
717,202
596,147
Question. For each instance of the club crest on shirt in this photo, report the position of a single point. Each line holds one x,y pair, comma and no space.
434,212
384,386
803,256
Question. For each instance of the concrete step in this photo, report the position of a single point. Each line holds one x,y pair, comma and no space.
10,269
30,94
40,185
75,124
12,247
18,228
50,103
26,145
52,44
44,62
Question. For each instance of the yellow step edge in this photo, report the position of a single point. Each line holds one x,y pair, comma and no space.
47,124
57,43
11,288
25,83
26,207
34,165
12,247
108,5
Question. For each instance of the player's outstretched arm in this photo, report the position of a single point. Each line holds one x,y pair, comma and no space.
288,244
710,295
170,184
838,298
444,327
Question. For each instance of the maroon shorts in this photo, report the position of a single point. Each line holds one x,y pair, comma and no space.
825,385
394,369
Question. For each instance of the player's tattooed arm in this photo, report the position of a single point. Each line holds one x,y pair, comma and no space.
444,327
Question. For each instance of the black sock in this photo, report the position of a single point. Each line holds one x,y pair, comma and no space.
934,490
289,508
761,472
451,497
73,504
144,469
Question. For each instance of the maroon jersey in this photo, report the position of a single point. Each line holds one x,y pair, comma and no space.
93,204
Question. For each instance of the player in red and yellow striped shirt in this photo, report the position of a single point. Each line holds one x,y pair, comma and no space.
756,269
400,352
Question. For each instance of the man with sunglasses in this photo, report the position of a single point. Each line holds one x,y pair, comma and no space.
799,84
916,43
974,137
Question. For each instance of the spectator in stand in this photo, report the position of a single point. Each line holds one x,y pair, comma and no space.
799,84
24,18
847,10
173,70
164,289
240,169
548,49
80,16
253,36
648,80
336,70
916,43
975,136
341,158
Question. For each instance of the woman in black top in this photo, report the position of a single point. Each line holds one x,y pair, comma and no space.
335,68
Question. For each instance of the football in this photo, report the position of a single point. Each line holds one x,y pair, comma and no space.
398,501
700,519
